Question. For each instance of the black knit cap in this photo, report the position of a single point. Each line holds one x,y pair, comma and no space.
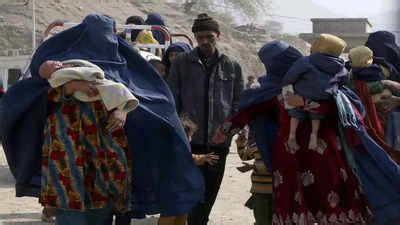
137,20
203,22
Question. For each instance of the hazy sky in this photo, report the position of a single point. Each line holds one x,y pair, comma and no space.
358,7
375,10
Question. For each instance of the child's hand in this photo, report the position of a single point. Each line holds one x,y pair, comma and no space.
221,133
117,120
219,136
210,158
49,67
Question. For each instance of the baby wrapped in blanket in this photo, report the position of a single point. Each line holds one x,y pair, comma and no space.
114,95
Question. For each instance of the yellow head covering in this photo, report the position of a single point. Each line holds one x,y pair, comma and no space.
361,56
146,37
328,44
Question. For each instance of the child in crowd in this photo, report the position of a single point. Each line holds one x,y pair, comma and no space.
370,83
199,159
261,189
362,68
314,78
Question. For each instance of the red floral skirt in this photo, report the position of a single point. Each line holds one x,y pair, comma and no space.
315,186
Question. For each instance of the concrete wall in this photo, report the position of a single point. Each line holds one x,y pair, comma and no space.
340,26
354,31
351,40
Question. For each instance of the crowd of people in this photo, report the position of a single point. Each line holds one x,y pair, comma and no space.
101,131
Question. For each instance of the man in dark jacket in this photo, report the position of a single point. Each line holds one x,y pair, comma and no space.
206,85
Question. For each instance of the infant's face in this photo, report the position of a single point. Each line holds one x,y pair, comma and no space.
49,67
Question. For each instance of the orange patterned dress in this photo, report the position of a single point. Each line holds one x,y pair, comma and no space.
83,165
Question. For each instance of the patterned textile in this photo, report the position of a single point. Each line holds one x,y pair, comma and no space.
83,165
372,120
315,186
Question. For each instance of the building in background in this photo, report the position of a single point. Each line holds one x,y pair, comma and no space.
354,31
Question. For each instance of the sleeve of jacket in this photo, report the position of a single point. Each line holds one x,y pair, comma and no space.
294,73
238,87
174,82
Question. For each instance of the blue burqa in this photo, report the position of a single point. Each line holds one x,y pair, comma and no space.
387,53
165,180
378,174
156,19
277,57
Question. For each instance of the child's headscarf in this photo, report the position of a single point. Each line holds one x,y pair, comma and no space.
175,47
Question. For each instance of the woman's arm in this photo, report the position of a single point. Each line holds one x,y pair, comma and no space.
393,86
243,117
240,119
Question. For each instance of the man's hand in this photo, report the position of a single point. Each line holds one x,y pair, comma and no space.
245,167
116,120
49,67
242,138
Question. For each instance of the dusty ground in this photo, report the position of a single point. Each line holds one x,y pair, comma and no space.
228,210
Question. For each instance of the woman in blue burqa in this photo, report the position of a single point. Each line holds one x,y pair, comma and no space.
366,162
387,55
165,180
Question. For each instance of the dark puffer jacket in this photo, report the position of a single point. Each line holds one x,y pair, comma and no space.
207,98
